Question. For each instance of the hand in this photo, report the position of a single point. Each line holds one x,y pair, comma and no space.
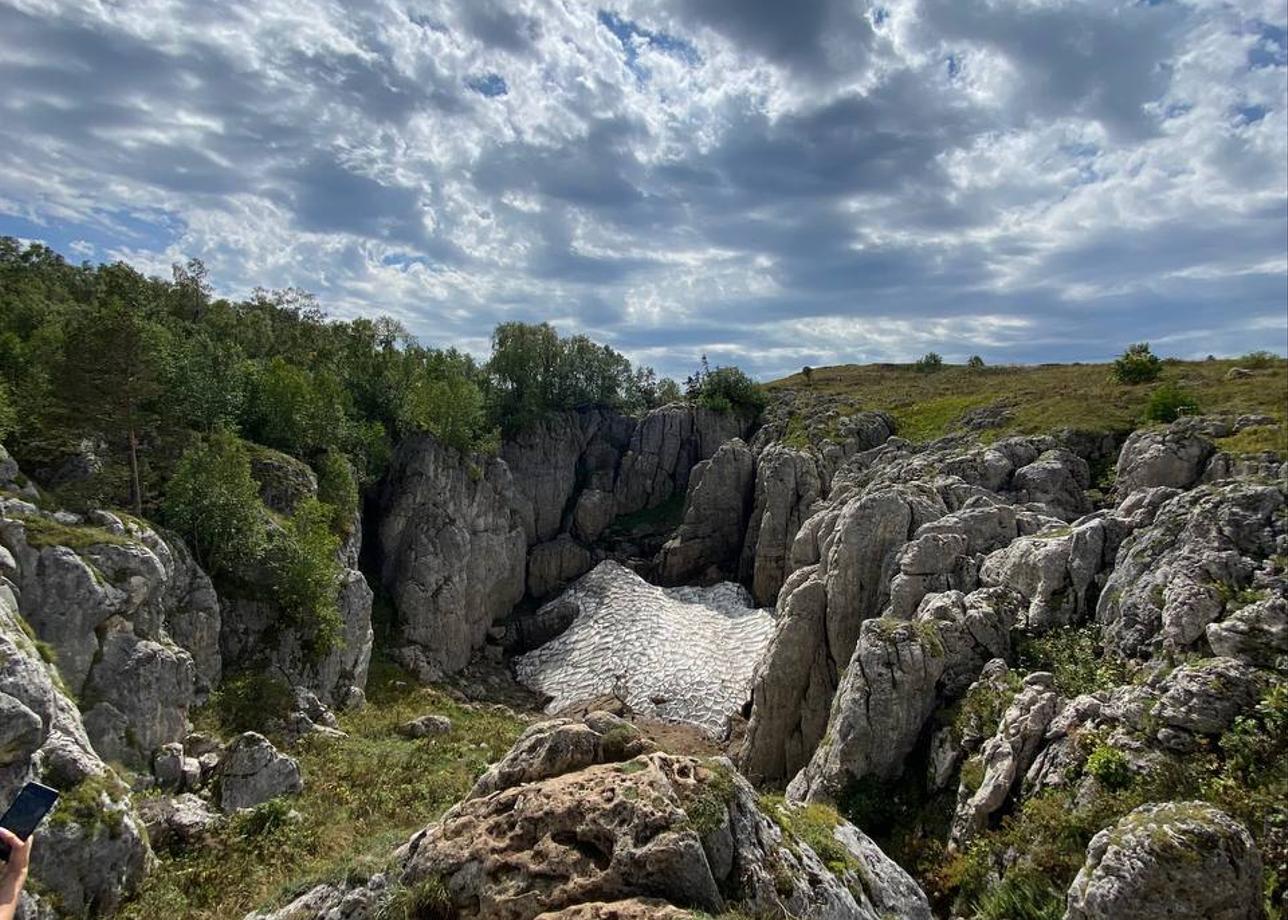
19,856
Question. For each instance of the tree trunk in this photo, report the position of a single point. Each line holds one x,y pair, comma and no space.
134,474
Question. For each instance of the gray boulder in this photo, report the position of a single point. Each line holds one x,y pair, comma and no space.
253,771
178,823
1257,633
1176,861
1057,479
715,516
593,514
1173,456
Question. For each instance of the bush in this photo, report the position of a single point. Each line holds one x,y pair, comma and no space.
1110,767
975,362
306,573
1169,402
929,362
248,703
729,388
1137,365
1259,360
213,502
337,489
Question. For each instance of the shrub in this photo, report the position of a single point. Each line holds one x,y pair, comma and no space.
306,573
975,362
8,415
1074,656
808,373
248,702
213,502
1110,767
929,362
1259,360
1169,402
337,489
1137,365
729,388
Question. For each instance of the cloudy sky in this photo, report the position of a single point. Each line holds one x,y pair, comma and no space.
773,183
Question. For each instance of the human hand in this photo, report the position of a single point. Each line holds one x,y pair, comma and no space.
19,855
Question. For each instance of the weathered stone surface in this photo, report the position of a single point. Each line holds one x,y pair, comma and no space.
283,481
87,864
715,516
629,909
1179,861
1171,456
553,564
107,609
821,609
426,726
1203,556
683,654
595,511
177,823
253,771
453,551
787,487
1257,633
1007,756
899,672
1058,479
663,449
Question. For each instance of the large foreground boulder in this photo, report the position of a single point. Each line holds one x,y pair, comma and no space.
253,771
651,835
1177,861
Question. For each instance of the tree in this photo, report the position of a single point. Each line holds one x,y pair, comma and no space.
212,501
929,362
975,362
191,289
306,574
206,383
808,373
1137,365
728,388
110,365
668,391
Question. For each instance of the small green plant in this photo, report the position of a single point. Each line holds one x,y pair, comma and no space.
1169,402
427,899
1259,360
929,362
246,702
1110,767
1137,365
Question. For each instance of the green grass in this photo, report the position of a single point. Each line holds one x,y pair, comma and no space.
364,795
1257,440
1042,397
43,531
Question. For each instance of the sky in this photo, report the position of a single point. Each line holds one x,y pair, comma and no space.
773,184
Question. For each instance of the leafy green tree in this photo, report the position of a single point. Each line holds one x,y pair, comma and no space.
213,502
337,489
729,388
8,416
111,366
206,383
306,574
668,391
1137,365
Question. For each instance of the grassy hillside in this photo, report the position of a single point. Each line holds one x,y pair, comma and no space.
1039,398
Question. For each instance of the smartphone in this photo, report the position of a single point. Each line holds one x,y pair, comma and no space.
26,812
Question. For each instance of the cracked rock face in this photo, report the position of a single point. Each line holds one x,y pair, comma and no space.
715,514
1173,456
115,613
1179,861
93,860
786,488
1204,555
454,552
680,654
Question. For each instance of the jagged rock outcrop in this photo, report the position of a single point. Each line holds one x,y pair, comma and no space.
900,671
178,823
112,597
252,771
786,488
551,565
1006,757
680,654
1204,556
651,830
715,516
95,853
1257,633
1179,861
1057,479
453,551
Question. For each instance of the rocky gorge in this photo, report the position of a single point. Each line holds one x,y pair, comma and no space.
836,616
